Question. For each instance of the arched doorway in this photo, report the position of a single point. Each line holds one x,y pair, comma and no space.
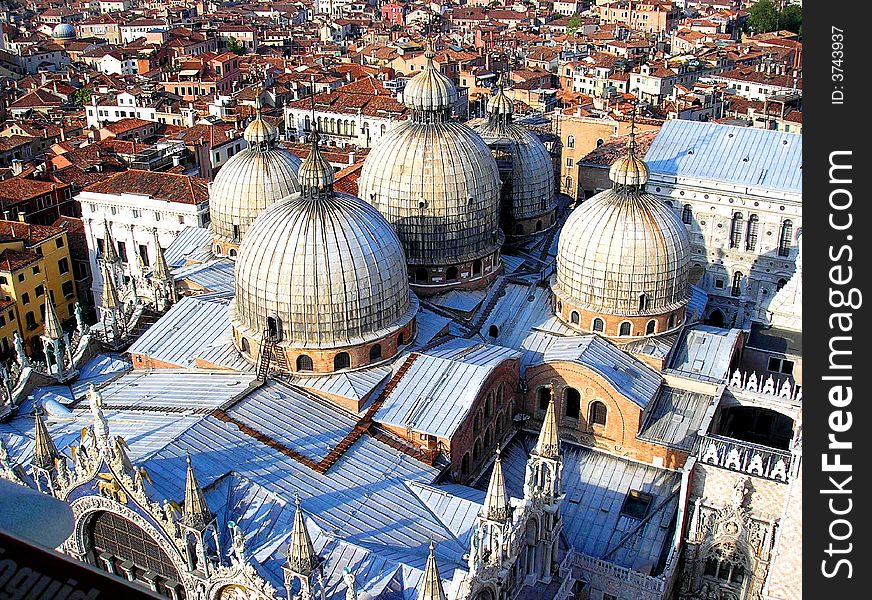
716,318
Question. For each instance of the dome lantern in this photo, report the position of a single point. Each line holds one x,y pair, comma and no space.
430,94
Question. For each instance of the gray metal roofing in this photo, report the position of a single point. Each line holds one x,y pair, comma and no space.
596,485
215,275
629,376
746,156
355,385
460,300
299,420
676,418
189,241
704,352
698,300
435,395
192,326
174,389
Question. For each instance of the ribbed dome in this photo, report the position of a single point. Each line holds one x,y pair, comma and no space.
328,266
63,31
439,186
521,156
620,245
430,90
250,181
629,170
316,173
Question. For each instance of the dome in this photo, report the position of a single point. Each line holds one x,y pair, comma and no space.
522,158
326,266
63,31
624,252
436,183
430,90
629,170
250,181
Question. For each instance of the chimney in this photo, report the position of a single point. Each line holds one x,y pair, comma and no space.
7,216
17,166
22,215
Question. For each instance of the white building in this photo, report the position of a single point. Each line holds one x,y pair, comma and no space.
739,192
131,205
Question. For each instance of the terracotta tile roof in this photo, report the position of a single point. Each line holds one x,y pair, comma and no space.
38,98
26,232
171,187
18,189
128,124
345,180
615,148
13,260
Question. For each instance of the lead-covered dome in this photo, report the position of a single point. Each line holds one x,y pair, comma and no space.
436,183
623,259
250,181
525,168
63,31
326,271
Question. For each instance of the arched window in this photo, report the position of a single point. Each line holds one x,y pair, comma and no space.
341,361
476,268
304,363
781,283
643,302
539,225
600,142
464,464
476,422
476,450
736,230
421,275
572,403
272,328
687,215
785,239
625,329
544,396
598,325
716,318
375,352
401,339
451,274
753,228
598,413
650,327
245,347
568,188
488,437
232,253
488,406
570,141
737,284
574,318
493,331
671,320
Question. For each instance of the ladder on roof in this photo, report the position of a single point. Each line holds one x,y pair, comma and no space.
265,355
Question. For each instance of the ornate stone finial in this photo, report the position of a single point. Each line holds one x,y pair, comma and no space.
52,328
316,173
110,290
741,493
548,444
431,584
161,270
429,52
496,503
45,452
301,554
196,512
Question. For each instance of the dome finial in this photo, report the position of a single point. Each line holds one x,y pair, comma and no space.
316,172
429,52
630,170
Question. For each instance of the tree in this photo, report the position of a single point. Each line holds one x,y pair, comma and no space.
235,46
573,24
763,17
791,18
82,96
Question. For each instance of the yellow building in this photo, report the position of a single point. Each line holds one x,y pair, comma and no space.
34,260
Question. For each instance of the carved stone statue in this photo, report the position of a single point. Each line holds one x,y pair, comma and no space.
350,587
101,426
20,355
741,493
238,542
81,326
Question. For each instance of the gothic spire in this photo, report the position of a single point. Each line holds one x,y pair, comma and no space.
548,444
52,328
161,270
301,555
196,511
431,585
496,503
110,254
110,293
45,452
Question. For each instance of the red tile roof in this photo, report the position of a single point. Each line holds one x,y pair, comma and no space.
163,186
